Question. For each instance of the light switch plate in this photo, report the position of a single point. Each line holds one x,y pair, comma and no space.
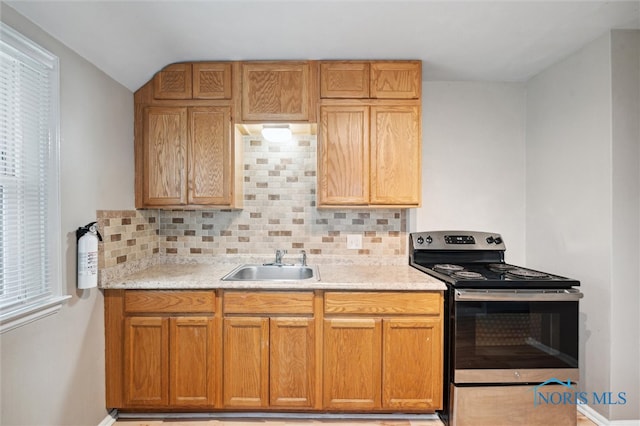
354,241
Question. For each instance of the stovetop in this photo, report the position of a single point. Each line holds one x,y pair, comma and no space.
471,259
494,275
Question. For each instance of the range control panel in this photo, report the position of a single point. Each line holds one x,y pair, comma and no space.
456,240
459,239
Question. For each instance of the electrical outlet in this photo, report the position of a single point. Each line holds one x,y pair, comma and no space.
354,241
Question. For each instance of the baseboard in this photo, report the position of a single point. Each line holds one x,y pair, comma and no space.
600,420
110,419
270,415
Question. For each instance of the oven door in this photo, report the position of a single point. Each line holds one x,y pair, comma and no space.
514,336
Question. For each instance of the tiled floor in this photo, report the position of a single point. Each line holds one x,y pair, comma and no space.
582,421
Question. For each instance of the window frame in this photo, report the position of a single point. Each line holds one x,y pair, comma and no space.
24,313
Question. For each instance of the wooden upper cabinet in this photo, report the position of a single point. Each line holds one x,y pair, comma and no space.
395,155
370,79
396,80
343,175
344,79
212,80
276,91
198,80
173,82
165,156
188,155
369,155
210,155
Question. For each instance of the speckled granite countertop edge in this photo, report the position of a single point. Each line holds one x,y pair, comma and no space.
185,274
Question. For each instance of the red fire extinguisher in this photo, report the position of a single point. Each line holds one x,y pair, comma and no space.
88,237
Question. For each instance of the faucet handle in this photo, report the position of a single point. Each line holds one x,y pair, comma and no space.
279,254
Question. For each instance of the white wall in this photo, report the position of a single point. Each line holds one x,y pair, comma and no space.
53,369
625,289
582,205
473,160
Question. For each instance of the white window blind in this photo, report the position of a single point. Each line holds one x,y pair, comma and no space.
29,205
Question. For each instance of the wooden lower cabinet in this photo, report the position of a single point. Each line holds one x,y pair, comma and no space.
411,363
269,349
246,362
352,355
292,347
266,350
160,349
191,361
383,351
146,361
168,361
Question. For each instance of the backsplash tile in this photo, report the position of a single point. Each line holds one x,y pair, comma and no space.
127,235
279,213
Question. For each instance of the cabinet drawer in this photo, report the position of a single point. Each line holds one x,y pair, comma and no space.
177,301
244,302
387,303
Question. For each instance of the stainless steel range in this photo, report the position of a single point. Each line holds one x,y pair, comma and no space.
511,333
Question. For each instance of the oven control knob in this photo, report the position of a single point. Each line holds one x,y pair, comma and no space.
429,240
420,240
497,240
490,240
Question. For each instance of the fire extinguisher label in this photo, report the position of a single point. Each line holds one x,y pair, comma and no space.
88,262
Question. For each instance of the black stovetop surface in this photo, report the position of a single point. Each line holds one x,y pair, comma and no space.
493,277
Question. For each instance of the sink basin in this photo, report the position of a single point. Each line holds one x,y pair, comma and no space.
272,273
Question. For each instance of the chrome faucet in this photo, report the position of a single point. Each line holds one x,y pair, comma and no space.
279,254
303,259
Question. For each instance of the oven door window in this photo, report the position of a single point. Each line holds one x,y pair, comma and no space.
507,335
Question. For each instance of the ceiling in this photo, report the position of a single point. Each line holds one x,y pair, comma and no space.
456,40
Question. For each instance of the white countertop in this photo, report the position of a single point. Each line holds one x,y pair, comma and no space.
336,277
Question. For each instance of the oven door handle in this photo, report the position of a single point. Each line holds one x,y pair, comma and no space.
481,295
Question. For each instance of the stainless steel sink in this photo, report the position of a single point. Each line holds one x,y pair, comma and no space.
272,273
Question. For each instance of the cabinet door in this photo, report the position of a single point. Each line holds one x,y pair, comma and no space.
212,80
344,79
192,361
246,362
275,91
395,155
165,156
352,359
292,362
412,364
146,361
396,80
173,82
210,156
343,166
